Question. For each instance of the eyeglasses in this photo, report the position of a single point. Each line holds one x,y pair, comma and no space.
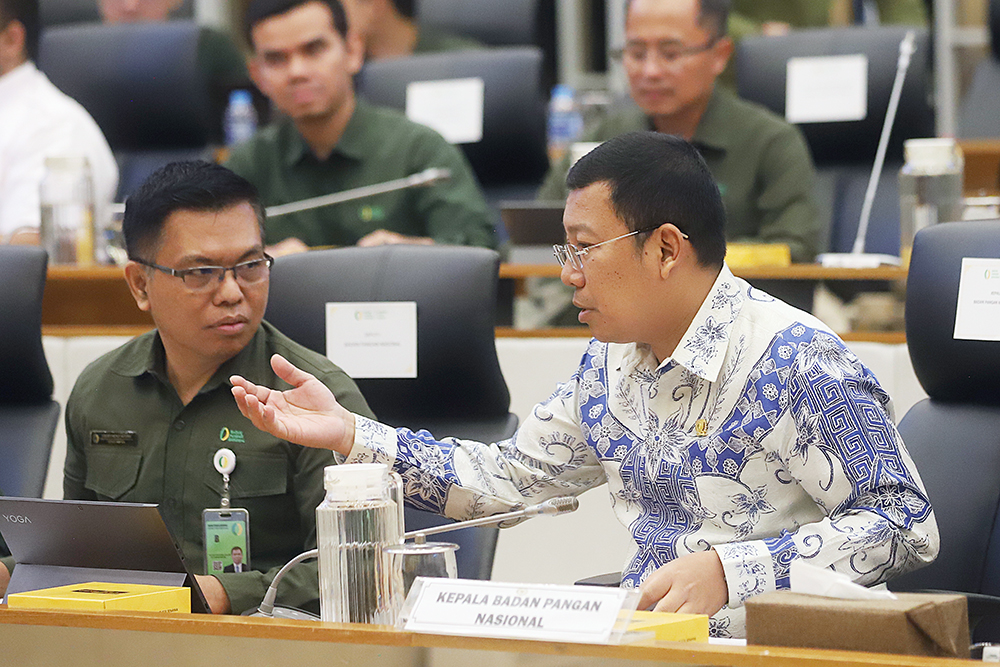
669,53
567,252
206,277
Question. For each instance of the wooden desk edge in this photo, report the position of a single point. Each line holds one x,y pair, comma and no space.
260,628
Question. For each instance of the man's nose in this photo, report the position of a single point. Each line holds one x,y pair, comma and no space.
229,290
571,276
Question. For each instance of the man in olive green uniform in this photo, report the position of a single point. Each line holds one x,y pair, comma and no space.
390,29
674,51
751,17
144,421
329,141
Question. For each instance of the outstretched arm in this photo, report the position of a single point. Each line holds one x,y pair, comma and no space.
307,414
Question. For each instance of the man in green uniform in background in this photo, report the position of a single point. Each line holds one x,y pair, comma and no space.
329,141
390,29
674,52
145,421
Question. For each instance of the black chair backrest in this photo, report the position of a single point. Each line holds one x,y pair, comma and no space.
459,388
949,369
761,68
954,436
516,24
141,82
61,12
28,415
25,376
513,147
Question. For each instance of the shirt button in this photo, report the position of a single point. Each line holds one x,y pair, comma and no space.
179,425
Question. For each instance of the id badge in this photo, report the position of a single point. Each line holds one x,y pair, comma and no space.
227,540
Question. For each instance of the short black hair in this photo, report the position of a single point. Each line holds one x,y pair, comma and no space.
194,185
654,179
406,7
713,15
259,10
24,12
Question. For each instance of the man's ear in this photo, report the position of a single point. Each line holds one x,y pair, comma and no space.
722,51
137,278
670,247
12,46
354,46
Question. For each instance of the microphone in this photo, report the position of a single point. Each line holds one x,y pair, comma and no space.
561,505
267,608
857,258
421,178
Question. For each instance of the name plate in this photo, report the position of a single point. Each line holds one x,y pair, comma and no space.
582,614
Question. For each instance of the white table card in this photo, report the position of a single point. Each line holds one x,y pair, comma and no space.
978,314
453,107
826,89
583,614
373,339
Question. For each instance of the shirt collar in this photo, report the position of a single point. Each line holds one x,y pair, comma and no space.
16,78
702,348
354,142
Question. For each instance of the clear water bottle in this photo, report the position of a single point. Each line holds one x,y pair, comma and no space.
930,187
565,122
241,118
67,211
361,516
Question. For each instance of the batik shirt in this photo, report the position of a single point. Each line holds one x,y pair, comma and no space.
763,436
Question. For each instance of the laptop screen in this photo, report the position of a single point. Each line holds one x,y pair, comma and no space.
61,542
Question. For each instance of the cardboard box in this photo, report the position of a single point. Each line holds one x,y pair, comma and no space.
99,596
915,624
671,627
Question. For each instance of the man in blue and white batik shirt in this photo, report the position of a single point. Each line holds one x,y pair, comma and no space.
734,432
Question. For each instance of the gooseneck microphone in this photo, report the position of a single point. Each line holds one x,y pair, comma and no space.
425,177
561,505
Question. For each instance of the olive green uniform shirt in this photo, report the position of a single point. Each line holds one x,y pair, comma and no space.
747,16
434,40
760,162
377,145
280,484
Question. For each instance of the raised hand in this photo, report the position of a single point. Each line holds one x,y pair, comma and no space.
307,414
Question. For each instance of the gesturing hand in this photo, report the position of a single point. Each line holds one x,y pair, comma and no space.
307,414
691,584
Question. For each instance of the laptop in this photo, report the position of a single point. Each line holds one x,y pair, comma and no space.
64,542
533,227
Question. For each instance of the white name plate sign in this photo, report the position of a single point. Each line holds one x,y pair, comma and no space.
582,614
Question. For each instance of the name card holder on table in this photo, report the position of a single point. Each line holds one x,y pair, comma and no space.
581,614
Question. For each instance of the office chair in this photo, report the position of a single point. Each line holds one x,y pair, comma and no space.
511,158
28,415
459,390
521,23
954,434
142,84
62,12
979,113
845,151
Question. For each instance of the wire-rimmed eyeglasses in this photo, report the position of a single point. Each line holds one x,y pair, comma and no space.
567,252
207,277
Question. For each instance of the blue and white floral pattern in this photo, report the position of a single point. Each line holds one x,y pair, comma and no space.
763,437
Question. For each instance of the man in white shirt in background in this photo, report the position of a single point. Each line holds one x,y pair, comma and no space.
38,121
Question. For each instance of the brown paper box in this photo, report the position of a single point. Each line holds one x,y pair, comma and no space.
915,624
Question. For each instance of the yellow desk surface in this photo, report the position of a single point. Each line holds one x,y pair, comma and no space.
34,637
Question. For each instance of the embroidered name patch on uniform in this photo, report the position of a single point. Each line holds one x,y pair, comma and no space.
114,438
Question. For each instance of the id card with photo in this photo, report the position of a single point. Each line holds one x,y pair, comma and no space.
227,540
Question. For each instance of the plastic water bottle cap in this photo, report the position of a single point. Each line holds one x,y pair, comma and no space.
930,155
356,481
240,97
